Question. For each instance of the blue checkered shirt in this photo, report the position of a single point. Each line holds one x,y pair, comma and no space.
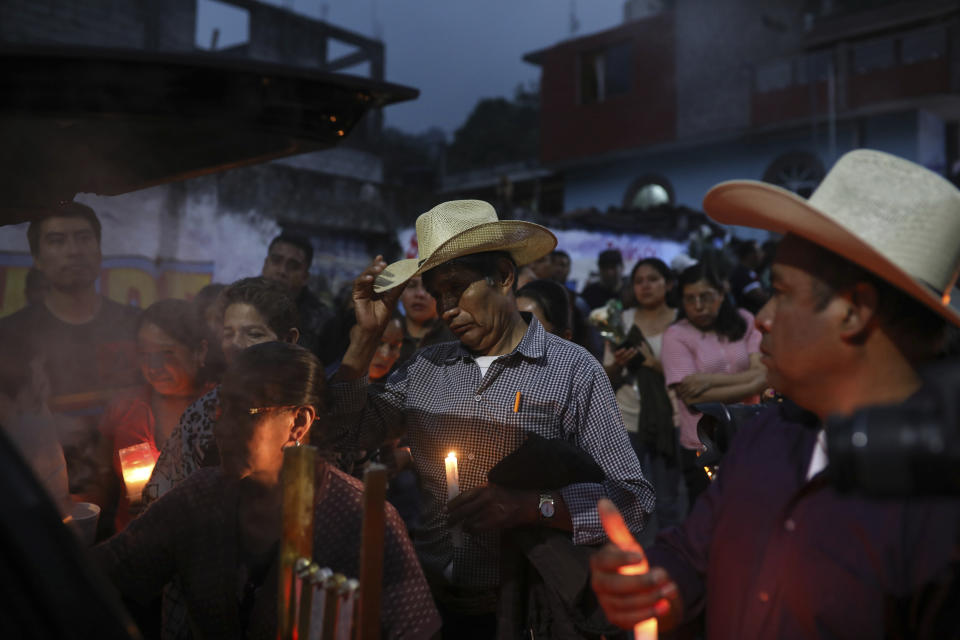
438,400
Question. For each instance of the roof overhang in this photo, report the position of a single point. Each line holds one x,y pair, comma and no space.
110,121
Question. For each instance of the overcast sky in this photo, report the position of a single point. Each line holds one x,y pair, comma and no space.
454,51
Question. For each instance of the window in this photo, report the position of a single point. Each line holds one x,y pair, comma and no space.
798,171
874,55
648,192
921,46
606,72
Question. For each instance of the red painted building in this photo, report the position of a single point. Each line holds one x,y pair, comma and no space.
608,91
660,108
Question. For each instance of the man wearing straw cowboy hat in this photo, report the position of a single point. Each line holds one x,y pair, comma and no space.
479,397
859,305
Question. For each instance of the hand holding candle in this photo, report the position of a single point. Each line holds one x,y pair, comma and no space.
621,537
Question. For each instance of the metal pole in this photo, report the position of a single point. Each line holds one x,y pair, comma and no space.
297,478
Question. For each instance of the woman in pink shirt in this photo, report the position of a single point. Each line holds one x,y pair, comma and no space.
711,354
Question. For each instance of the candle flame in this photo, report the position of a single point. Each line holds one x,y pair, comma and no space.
138,474
452,455
634,569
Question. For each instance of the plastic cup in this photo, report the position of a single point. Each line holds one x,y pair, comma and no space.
82,520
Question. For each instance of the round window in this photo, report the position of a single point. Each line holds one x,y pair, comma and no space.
648,192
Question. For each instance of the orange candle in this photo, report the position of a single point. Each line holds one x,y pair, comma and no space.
137,464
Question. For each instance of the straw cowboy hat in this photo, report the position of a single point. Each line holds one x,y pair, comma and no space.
461,227
892,217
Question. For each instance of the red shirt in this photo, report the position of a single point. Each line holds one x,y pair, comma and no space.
128,420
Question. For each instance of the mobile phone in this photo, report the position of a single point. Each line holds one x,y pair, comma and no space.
634,339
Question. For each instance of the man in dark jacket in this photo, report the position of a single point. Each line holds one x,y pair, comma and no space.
610,285
288,262
84,340
772,548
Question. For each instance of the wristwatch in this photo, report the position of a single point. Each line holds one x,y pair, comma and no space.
546,508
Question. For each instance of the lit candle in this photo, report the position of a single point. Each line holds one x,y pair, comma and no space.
137,464
619,535
645,629
453,476
453,490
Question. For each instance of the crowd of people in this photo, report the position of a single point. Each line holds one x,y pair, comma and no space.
479,349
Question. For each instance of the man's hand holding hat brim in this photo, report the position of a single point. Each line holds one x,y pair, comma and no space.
373,311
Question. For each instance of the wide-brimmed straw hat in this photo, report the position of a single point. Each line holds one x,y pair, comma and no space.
892,217
462,227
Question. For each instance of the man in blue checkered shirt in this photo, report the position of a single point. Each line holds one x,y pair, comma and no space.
478,397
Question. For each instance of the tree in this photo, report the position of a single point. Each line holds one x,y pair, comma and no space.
412,158
498,131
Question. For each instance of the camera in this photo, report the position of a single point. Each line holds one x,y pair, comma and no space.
720,423
911,449
717,427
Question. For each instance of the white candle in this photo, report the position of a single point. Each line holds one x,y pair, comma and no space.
619,535
453,490
453,476
646,629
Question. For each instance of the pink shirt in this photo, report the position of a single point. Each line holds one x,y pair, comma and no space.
688,350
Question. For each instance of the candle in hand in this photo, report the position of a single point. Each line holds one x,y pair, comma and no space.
619,535
453,476
137,463
453,490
